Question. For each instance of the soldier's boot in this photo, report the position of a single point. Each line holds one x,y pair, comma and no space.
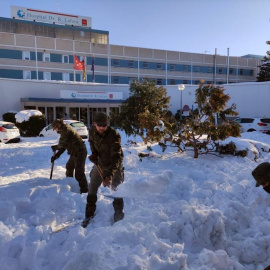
89,209
118,205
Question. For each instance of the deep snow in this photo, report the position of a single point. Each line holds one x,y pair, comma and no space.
180,212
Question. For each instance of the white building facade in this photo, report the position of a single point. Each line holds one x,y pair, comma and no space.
81,100
37,69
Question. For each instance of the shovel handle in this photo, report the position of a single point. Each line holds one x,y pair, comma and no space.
52,166
100,171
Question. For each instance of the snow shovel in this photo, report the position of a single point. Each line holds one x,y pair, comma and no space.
52,165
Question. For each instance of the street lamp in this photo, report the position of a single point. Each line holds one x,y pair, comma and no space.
181,88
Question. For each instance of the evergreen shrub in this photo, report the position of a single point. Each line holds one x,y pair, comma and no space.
32,127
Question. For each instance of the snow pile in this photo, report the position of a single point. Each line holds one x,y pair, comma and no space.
180,212
25,115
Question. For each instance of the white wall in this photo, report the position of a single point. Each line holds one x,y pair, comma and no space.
11,91
251,99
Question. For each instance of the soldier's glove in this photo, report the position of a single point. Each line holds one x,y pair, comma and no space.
54,147
93,158
107,182
54,157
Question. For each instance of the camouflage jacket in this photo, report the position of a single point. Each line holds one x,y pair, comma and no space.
107,148
70,140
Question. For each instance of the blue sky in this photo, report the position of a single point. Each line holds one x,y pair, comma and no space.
197,26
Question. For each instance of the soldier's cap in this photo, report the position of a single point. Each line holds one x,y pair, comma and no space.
262,173
57,123
101,119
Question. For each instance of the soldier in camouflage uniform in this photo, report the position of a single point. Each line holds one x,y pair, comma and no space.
262,176
107,153
71,141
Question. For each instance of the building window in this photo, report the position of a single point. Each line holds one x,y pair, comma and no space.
172,67
159,65
172,82
131,64
196,69
197,82
251,72
159,81
46,57
185,82
26,55
47,76
219,70
66,77
115,62
65,59
27,75
209,70
185,68
241,72
231,71
115,80
145,65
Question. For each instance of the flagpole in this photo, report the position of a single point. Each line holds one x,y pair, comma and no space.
74,74
85,75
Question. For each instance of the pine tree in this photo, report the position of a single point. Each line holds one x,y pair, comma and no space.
264,74
140,113
211,100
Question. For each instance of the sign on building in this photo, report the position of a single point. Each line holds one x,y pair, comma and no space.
90,95
30,14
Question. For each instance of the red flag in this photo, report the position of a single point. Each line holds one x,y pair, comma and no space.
79,65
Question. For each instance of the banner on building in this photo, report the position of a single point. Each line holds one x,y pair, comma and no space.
30,14
91,95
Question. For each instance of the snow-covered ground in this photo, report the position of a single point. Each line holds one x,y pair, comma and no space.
180,212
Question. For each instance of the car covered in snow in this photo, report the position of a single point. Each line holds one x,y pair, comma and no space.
77,125
9,133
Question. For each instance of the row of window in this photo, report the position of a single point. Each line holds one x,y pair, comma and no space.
182,68
27,75
46,57
58,58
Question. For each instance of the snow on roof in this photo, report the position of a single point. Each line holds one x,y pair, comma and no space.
25,115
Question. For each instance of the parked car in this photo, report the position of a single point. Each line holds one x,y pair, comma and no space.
77,125
249,124
9,133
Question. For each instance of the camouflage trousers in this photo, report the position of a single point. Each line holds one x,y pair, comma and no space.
95,182
77,163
